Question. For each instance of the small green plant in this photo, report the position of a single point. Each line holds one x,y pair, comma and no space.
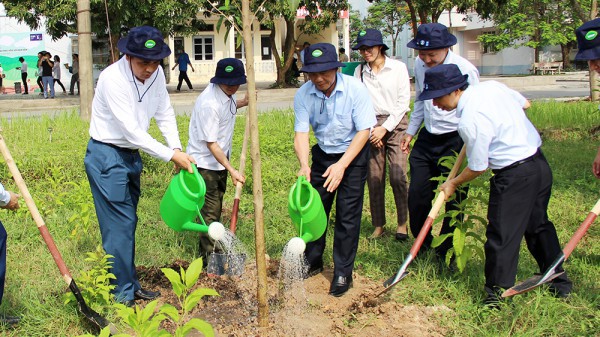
95,283
182,284
146,321
80,200
465,221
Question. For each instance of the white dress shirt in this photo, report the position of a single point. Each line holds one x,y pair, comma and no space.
389,90
213,120
494,126
437,121
119,118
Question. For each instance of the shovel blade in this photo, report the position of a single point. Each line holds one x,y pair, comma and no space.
389,283
530,284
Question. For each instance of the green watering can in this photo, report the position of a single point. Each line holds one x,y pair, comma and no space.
182,202
306,210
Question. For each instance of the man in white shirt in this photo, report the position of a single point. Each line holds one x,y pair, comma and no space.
129,93
211,132
438,138
23,68
498,135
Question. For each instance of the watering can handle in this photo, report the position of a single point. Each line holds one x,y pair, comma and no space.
301,181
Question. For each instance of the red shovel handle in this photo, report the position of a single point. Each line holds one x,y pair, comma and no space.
585,225
238,186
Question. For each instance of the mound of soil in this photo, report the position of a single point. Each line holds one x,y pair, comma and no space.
306,310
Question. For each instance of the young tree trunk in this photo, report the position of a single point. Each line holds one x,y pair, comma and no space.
288,50
257,191
565,50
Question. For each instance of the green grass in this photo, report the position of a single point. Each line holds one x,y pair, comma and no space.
34,287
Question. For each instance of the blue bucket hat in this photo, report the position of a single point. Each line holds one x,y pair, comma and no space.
144,42
432,36
369,38
320,57
442,80
230,71
588,41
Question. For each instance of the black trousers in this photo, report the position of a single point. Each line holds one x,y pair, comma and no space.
424,157
183,76
24,79
518,207
216,186
348,214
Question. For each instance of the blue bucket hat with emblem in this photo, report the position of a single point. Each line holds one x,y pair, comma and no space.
144,42
230,71
432,36
320,57
442,80
588,41
369,38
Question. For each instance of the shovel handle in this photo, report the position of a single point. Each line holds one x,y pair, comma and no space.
585,225
35,214
239,185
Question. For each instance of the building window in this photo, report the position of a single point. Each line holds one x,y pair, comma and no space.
265,48
203,48
488,48
240,53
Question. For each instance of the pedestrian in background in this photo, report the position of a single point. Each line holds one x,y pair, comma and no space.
588,43
388,83
438,137
47,64
339,110
23,69
56,73
74,70
2,76
304,46
183,61
343,57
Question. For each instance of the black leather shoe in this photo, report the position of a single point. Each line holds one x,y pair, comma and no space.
314,270
401,236
340,285
142,294
9,320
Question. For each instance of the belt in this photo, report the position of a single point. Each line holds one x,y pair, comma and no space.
441,136
118,148
519,162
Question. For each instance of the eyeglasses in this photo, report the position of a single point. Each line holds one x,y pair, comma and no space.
365,49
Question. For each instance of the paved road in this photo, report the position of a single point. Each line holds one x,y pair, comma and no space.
567,86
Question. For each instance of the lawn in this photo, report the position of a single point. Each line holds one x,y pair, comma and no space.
51,163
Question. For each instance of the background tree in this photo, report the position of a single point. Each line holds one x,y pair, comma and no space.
357,24
388,16
536,24
113,18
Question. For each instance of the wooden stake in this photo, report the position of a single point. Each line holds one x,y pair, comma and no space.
261,265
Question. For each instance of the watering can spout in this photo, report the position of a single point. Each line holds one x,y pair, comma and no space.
194,227
306,210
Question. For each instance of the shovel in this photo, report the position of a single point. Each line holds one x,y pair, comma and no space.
552,271
439,201
232,264
92,316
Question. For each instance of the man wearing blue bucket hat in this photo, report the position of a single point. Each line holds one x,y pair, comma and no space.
588,42
438,137
388,84
129,93
210,136
498,135
339,110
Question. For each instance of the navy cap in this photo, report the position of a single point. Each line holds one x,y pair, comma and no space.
588,41
320,57
144,42
442,80
230,71
432,36
369,38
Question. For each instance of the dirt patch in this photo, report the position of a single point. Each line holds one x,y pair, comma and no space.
306,310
